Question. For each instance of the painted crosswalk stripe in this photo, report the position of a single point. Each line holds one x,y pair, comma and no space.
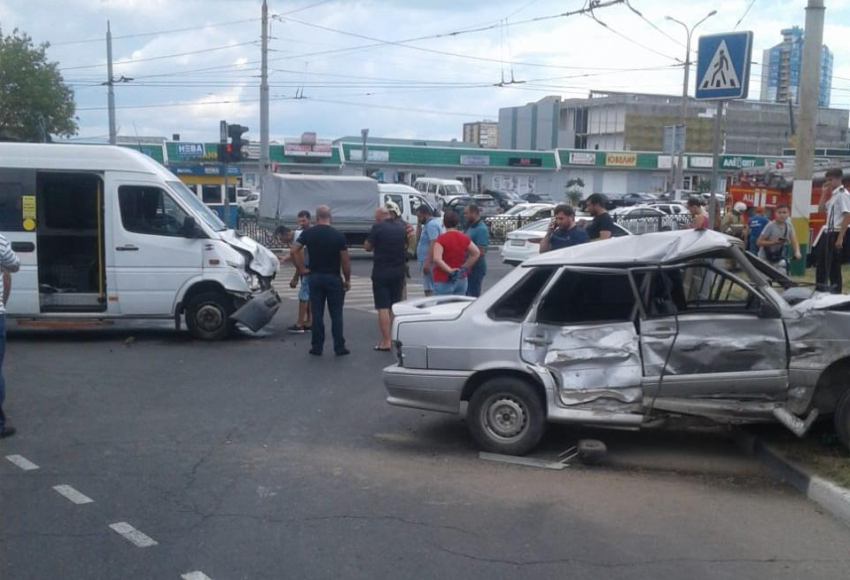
359,297
139,539
196,575
72,494
22,462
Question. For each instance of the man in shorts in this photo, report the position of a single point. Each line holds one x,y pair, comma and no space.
304,323
387,240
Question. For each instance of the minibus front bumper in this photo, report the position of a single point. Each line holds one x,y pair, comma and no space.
258,310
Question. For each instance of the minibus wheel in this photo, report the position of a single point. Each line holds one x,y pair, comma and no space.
207,316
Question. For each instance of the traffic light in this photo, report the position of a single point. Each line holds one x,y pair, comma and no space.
235,133
223,153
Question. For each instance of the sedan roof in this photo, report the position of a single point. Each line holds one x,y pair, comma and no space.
657,248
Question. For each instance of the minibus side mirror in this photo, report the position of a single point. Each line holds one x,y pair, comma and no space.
190,227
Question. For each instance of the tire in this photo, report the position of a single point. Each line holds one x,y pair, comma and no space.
207,316
842,419
506,415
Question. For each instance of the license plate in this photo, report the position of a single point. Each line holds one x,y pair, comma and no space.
517,242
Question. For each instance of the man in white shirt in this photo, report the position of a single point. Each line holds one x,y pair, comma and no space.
835,202
9,263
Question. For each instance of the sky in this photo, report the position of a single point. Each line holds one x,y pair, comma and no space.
337,66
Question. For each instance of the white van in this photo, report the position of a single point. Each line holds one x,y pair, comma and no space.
106,232
406,198
437,190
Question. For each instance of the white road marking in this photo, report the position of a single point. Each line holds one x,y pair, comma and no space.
133,535
22,462
197,575
358,298
72,494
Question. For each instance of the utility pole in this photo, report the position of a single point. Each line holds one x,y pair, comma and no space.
683,112
110,81
365,134
715,166
801,196
264,98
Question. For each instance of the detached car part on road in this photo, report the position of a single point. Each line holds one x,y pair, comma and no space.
627,333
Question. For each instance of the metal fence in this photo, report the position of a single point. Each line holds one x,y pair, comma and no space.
500,226
250,227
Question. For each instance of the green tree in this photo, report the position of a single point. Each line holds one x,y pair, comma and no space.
35,102
573,191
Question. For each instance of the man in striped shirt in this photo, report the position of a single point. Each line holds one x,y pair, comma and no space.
9,262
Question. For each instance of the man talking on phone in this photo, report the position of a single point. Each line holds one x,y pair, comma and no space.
563,231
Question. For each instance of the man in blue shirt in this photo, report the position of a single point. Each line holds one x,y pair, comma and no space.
430,228
480,236
563,231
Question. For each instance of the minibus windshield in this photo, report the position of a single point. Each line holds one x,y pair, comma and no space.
190,199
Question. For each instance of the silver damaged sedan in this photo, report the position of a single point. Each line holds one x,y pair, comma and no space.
627,333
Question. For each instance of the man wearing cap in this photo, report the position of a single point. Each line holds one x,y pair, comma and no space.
388,240
733,221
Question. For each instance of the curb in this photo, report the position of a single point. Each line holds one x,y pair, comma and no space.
830,496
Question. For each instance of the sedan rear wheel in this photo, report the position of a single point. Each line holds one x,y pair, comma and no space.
507,415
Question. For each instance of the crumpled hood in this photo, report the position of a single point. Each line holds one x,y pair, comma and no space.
263,261
822,301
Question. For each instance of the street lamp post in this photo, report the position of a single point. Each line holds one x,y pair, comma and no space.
683,112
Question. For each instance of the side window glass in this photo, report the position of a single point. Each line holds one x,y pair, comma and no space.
516,303
586,298
697,288
432,188
11,204
149,210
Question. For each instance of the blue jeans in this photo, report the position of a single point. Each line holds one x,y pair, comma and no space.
476,278
2,380
326,287
458,287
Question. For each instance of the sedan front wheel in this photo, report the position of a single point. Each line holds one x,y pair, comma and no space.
507,415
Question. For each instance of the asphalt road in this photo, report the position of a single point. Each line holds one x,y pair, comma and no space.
250,459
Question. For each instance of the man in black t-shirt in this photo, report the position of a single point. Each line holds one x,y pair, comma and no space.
388,239
328,255
602,226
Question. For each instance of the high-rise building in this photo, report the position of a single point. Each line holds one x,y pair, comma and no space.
484,133
781,65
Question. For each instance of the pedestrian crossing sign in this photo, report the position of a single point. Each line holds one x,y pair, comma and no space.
723,66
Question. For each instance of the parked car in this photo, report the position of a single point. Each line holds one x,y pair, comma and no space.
524,243
670,207
505,199
531,211
485,203
612,201
627,333
636,211
639,198
537,198
249,205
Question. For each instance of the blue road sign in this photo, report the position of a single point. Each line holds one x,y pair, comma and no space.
723,66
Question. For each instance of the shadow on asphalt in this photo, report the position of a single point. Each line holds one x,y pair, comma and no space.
695,452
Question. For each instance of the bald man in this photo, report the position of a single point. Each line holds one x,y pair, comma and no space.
388,239
328,256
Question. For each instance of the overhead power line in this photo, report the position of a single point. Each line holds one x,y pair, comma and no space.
165,56
156,32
